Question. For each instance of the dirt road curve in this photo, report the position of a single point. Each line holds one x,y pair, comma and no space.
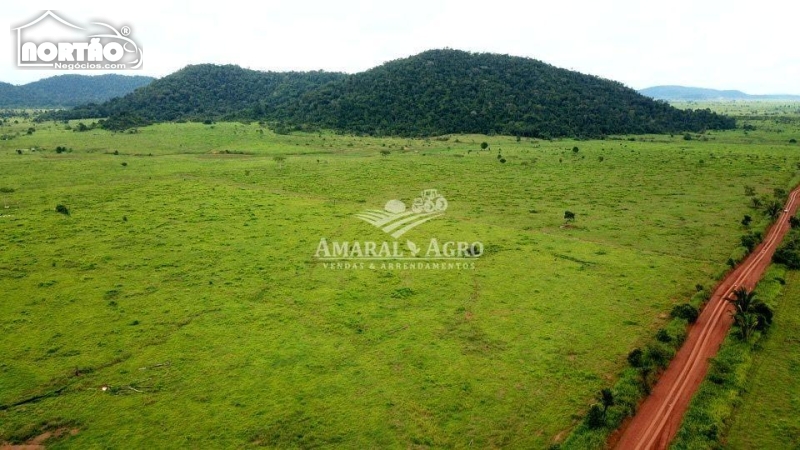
659,417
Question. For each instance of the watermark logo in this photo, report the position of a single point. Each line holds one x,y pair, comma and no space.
51,42
396,219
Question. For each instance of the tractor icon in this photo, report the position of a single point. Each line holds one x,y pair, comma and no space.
429,201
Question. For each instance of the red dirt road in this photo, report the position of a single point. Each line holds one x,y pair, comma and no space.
658,418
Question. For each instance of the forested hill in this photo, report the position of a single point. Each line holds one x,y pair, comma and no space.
433,93
451,91
204,91
69,90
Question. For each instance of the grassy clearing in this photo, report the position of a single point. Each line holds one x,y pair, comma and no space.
184,281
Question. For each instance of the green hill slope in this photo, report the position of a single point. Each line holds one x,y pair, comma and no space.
433,93
69,90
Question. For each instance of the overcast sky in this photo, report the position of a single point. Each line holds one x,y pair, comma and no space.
731,44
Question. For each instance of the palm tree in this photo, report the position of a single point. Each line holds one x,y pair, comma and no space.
774,209
749,313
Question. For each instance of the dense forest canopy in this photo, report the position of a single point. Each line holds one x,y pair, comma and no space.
436,92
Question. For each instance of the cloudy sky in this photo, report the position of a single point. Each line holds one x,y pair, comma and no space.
731,44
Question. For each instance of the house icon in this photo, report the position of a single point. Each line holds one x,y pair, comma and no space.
21,48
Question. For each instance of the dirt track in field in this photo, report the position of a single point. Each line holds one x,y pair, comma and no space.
659,416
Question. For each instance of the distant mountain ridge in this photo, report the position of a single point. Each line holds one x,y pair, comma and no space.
64,91
684,93
436,92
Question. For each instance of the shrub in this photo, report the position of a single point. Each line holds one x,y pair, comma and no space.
595,418
747,220
685,311
62,209
751,240
635,358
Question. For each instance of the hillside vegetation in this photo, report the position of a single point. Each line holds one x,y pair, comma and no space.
434,93
69,90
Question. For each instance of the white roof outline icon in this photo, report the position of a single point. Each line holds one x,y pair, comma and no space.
47,13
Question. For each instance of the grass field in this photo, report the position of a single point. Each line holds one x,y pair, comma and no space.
768,414
185,283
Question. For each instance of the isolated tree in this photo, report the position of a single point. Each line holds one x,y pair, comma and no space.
484,145
747,220
575,150
569,216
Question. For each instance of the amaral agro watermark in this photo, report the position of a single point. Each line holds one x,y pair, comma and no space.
51,42
396,219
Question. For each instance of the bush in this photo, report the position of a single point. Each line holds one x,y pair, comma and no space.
685,311
595,418
751,240
62,209
635,358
